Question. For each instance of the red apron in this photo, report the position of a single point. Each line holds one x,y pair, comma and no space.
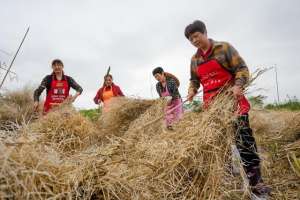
213,78
58,92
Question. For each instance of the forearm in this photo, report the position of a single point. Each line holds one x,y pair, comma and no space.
77,94
242,76
75,86
37,93
194,80
194,85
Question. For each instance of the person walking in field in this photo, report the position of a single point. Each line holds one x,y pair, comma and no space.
167,87
57,86
216,65
107,92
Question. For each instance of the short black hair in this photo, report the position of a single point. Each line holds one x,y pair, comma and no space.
196,26
158,70
57,62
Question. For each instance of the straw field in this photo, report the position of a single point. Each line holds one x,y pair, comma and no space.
127,154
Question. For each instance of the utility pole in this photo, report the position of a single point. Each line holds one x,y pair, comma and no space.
275,68
12,62
276,80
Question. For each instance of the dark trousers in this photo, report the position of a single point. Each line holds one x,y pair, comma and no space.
246,145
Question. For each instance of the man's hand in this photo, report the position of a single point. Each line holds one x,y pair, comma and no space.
237,91
191,94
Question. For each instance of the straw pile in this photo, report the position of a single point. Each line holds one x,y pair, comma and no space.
129,155
278,135
16,108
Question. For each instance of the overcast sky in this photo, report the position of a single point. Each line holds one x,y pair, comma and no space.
134,36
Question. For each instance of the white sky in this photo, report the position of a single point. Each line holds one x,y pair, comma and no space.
134,36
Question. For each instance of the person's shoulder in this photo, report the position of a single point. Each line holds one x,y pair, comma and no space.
158,85
171,79
47,77
172,82
100,89
67,77
115,86
221,44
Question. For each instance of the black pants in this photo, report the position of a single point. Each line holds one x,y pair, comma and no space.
246,145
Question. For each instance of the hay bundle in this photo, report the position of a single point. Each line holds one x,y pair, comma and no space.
188,163
16,107
65,129
30,171
122,111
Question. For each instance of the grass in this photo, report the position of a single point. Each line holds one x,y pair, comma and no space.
92,114
292,105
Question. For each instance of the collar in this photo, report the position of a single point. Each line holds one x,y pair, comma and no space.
213,45
54,76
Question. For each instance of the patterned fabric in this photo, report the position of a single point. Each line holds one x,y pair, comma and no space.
46,84
173,111
172,88
227,56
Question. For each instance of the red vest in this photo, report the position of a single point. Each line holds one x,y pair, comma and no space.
58,92
213,78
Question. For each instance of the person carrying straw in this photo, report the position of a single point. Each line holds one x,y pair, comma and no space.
167,87
218,65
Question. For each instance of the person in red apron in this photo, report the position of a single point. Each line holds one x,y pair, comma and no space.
57,86
107,92
167,87
217,65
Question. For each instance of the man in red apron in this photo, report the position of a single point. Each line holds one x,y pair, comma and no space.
217,65
57,86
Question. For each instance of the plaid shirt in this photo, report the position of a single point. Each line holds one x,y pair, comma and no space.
227,56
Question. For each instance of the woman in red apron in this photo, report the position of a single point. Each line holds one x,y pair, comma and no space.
217,65
107,92
57,86
167,87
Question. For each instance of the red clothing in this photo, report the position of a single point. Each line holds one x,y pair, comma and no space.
115,89
58,92
213,77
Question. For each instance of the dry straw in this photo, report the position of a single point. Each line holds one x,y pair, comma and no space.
65,156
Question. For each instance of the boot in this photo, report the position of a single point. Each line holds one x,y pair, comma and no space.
258,188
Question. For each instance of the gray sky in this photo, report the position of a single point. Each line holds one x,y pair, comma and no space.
134,36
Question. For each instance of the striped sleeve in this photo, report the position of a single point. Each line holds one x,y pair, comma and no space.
74,85
237,65
194,80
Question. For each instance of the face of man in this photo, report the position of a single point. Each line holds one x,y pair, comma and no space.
57,68
159,77
199,40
